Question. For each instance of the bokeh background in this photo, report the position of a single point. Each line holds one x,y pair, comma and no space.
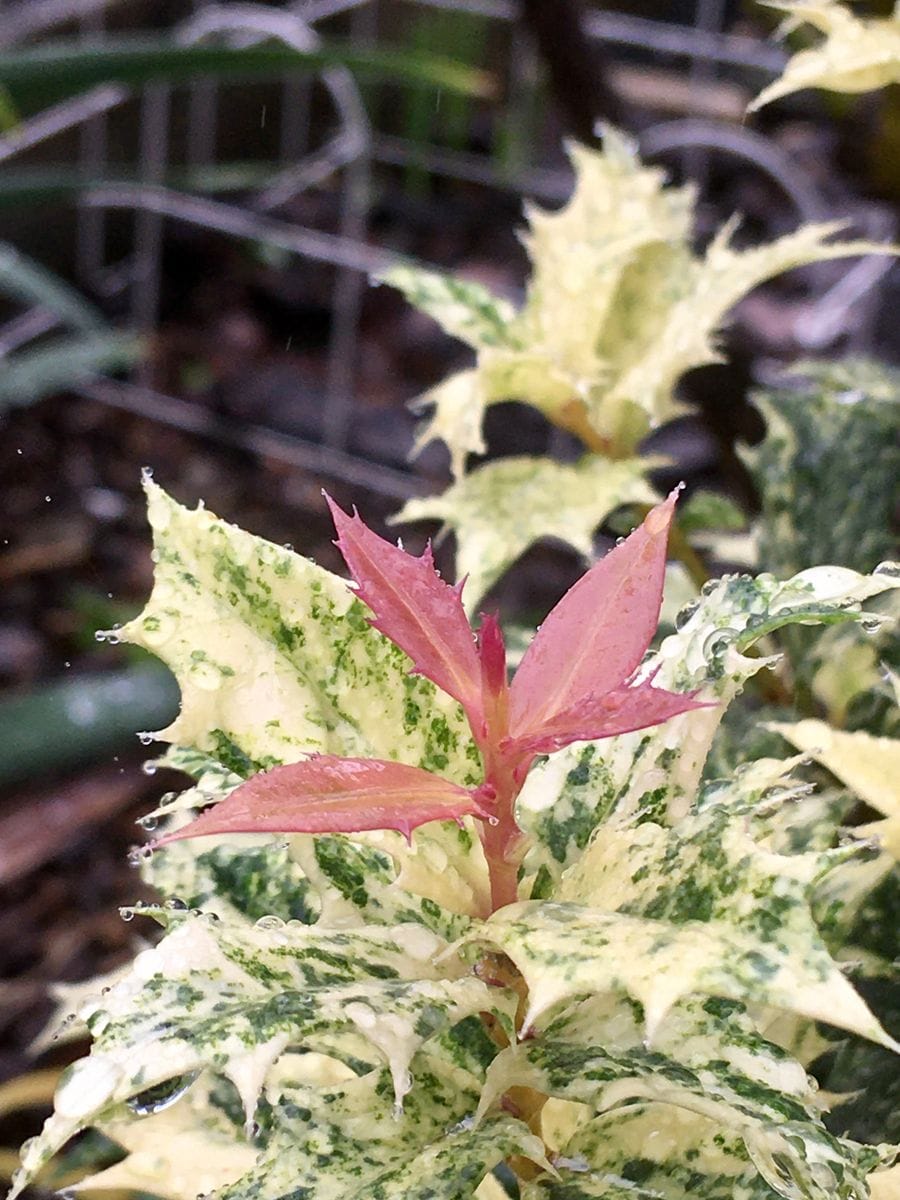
192,198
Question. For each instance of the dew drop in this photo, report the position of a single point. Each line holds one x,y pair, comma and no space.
270,922
718,641
145,738
126,914
149,822
149,768
684,614
176,904
155,1099
890,569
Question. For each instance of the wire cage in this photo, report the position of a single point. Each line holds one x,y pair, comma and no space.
157,157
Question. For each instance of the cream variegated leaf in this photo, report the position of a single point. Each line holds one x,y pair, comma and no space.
885,1185
233,998
185,1146
656,773
680,333
706,1060
457,409
653,1151
869,766
658,962
619,306
498,510
275,657
856,54
347,1142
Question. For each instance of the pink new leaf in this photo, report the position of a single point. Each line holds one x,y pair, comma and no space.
494,686
327,794
415,608
593,640
602,716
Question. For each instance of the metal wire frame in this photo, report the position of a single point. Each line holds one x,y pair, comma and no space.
704,51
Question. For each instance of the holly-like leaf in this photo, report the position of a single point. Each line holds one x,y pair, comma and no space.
594,638
188,1143
856,54
345,1142
466,310
649,1151
659,962
325,794
618,308
707,1060
276,659
869,765
233,998
414,608
657,773
498,510
836,415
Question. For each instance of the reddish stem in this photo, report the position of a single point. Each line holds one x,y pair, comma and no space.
502,840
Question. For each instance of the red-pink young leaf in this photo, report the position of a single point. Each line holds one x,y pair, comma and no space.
601,716
415,608
327,794
494,686
597,634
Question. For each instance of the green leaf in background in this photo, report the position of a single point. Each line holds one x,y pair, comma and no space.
828,469
28,281
43,73
61,362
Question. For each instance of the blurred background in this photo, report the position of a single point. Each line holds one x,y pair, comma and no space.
192,198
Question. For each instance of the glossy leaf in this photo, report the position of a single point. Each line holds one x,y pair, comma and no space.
414,608
325,794
595,637
608,714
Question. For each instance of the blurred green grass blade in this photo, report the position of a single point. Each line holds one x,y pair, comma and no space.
9,114
28,281
55,365
83,719
62,68
44,184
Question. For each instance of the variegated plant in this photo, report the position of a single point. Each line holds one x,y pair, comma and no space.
600,981
854,54
619,306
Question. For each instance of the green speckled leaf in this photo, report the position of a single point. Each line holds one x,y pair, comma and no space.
347,1143
819,504
500,509
234,998
275,657
706,1059
856,54
651,1151
466,310
658,962
656,774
